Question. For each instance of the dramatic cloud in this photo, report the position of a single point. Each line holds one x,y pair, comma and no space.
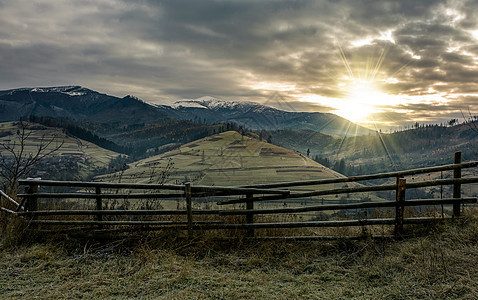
397,62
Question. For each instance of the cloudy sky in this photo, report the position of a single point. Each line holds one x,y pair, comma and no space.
385,62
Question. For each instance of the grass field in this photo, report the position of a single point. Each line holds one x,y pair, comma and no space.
229,159
437,263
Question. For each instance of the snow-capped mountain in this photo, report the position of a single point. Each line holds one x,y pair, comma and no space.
80,103
257,116
216,104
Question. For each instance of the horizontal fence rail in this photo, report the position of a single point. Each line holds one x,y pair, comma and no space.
379,204
105,218
197,188
138,212
388,187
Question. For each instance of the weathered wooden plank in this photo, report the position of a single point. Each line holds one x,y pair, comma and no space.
363,205
300,238
8,210
399,209
250,216
11,200
341,223
198,188
31,199
115,223
114,212
314,193
457,186
189,209
99,203
111,185
105,196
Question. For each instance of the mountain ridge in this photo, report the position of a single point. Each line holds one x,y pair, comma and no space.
257,116
77,102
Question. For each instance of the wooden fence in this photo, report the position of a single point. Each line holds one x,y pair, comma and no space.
100,218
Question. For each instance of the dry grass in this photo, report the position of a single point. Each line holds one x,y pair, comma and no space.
439,263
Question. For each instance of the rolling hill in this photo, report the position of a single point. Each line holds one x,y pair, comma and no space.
76,159
229,159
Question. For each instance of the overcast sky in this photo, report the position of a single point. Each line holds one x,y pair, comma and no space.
416,60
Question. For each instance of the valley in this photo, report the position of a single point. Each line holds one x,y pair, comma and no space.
214,142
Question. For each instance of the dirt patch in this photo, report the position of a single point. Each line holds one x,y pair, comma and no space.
272,151
214,139
235,142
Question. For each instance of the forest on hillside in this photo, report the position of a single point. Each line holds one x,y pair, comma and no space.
380,152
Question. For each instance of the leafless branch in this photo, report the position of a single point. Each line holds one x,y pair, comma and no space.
16,161
470,120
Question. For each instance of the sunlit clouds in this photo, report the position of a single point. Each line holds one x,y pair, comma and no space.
380,63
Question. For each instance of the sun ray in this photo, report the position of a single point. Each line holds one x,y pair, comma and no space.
339,149
379,63
401,68
384,146
344,60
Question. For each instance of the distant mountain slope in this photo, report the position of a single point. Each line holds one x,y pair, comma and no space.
79,103
257,116
420,147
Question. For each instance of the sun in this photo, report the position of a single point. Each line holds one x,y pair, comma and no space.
362,98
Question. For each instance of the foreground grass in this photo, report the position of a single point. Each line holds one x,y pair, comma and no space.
442,263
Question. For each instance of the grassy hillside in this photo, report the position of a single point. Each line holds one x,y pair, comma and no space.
76,159
228,159
232,159
138,140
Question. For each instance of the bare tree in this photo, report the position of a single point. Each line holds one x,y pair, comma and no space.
471,120
17,161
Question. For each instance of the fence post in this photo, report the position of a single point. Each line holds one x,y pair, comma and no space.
399,209
32,201
189,209
457,186
99,204
250,216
